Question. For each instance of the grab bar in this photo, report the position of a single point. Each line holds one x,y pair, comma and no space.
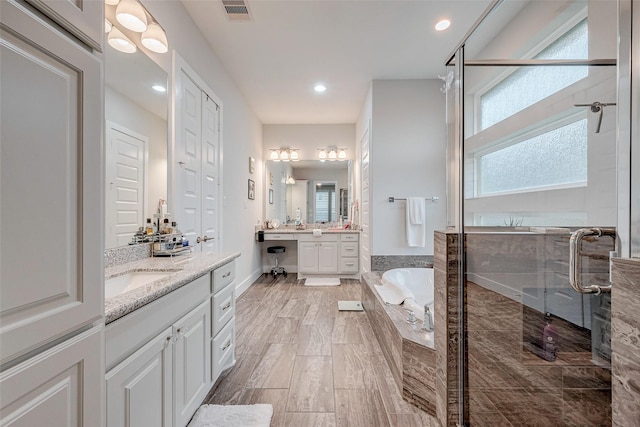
575,262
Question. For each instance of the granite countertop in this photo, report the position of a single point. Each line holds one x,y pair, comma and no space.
183,269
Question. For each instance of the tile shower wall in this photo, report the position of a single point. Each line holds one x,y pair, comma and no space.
509,382
625,327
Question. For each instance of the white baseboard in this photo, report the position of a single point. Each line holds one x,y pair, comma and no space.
244,285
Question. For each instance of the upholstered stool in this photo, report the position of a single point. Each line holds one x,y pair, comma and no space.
275,270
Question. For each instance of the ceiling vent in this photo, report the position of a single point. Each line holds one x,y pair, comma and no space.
237,10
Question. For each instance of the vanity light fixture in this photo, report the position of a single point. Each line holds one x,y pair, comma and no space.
155,38
274,155
442,25
284,155
333,155
132,15
294,155
322,155
120,42
342,154
107,26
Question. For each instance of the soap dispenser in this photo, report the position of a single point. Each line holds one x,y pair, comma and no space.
427,323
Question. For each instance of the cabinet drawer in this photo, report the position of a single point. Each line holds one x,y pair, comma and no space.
224,275
223,305
323,238
349,249
351,237
349,265
222,349
278,236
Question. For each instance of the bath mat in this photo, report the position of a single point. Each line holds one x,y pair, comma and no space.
322,281
232,416
349,306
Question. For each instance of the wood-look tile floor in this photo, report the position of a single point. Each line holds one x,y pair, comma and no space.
316,365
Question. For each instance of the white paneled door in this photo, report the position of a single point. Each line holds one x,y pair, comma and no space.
125,178
210,173
197,169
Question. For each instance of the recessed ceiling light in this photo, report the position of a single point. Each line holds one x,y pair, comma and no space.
159,88
442,25
320,88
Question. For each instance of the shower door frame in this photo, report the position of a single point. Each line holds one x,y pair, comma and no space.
627,155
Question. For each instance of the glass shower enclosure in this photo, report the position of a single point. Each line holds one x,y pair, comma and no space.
533,174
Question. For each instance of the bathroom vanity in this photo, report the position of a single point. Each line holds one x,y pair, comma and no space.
168,341
332,252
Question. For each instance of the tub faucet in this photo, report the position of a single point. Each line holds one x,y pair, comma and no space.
427,323
412,317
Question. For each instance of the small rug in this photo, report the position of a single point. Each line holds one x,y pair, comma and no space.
322,281
232,416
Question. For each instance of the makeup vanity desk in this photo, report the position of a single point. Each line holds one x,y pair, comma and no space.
332,252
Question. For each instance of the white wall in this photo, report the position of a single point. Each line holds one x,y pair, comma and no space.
242,136
121,110
408,159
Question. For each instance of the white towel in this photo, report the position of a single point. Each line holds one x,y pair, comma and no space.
415,222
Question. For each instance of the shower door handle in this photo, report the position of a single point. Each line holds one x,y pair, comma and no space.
575,263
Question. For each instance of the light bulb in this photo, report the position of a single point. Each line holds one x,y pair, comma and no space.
120,42
322,155
342,154
155,39
284,155
294,156
333,155
132,15
274,155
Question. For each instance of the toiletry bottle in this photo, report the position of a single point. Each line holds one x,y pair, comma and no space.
149,226
165,228
549,340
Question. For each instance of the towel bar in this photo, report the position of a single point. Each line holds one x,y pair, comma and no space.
434,199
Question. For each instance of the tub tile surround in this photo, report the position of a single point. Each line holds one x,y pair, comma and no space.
388,262
508,384
625,327
408,350
184,269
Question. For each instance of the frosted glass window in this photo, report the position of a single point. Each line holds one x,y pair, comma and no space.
529,85
554,158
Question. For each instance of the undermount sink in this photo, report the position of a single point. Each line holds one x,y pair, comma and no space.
126,282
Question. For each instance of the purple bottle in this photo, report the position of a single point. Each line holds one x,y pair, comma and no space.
549,340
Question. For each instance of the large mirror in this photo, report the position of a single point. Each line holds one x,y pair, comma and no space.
136,143
308,191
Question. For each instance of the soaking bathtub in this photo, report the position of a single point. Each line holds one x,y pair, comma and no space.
411,287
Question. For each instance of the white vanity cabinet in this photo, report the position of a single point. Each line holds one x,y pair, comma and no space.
163,358
166,372
318,254
349,253
223,309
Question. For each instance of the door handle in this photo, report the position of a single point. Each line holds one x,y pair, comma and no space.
575,261
204,239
